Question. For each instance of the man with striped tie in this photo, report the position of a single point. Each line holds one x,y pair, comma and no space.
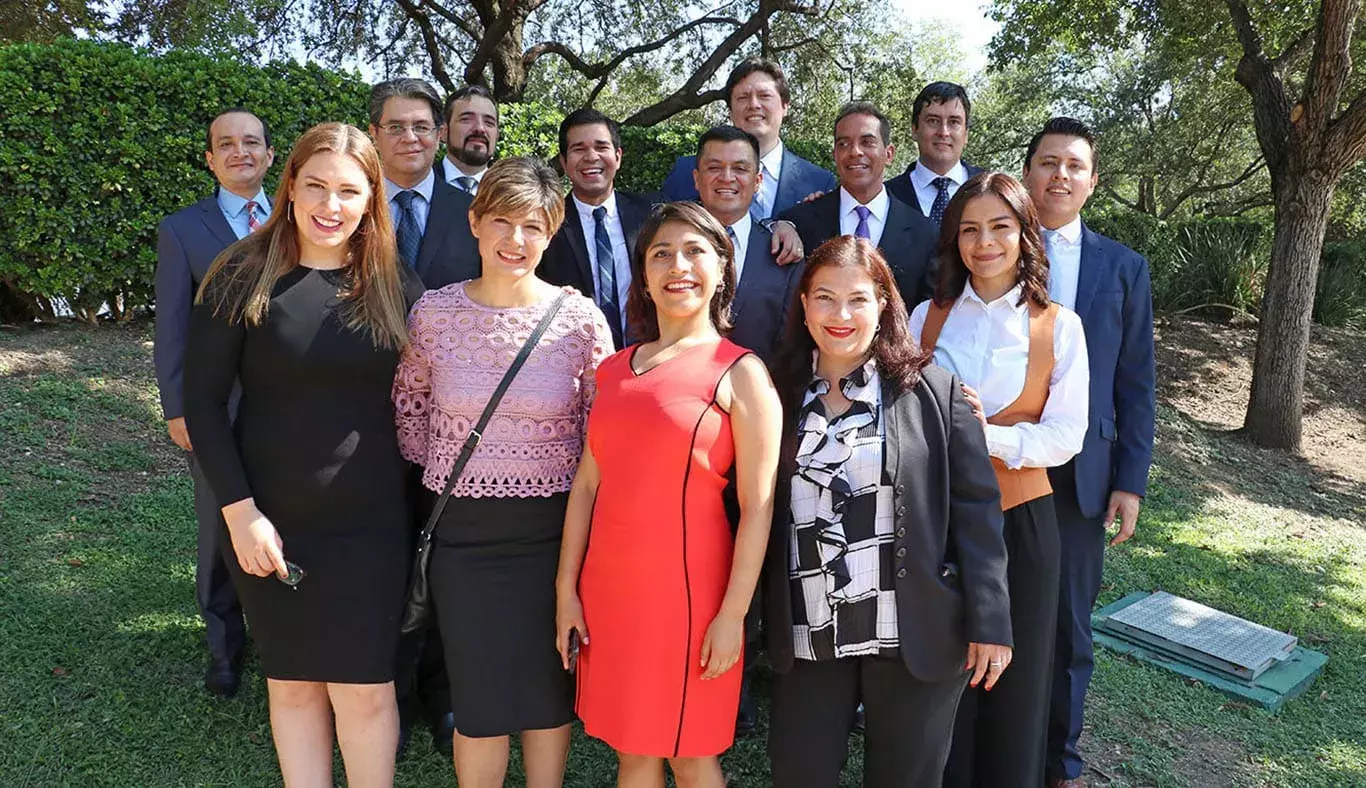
471,137
862,206
239,154
431,217
939,125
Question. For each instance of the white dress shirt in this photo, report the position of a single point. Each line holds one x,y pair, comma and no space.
741,230
1064,262
987,347
877,221
453,174
771,164
422,204
922,178
621,258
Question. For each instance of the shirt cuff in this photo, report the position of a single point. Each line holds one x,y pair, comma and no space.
1003,443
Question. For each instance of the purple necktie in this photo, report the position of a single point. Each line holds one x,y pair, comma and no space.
862,230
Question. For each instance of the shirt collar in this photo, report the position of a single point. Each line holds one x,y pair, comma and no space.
1011,299
586,210
741,228
453,172
878,205
922,175
424,188
1069,233
773,160
233,205
861,385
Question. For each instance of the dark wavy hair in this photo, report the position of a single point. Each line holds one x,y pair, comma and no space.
897,356
1032,267
641,316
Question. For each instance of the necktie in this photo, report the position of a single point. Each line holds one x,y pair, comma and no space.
1050,238
862,230
941,199
734,252
466,183
252,220
408,233
759,207
607,274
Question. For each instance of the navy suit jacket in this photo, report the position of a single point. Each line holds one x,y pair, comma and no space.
566,260
1115,303
449,252
901,188
187,243
763,298
908,241
798,178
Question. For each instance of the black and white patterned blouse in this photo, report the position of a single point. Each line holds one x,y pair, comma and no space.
843,593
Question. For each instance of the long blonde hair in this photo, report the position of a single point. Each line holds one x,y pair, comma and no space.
242,277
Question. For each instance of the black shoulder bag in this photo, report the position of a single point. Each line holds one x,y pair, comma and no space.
419,606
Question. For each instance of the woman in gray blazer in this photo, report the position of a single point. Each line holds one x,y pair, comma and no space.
885,579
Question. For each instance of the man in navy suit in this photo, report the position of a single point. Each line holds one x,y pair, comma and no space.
471,137
939,125
863,207
727,176
431,217
592,250
1107,285
758,98
239,154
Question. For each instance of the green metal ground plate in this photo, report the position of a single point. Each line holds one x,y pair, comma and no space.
1270,690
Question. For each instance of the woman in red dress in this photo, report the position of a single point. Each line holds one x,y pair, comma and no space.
653,582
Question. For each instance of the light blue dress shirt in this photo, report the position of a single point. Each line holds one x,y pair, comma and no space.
234,209
422,204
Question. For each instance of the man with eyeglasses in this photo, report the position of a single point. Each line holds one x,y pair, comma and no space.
471,136
431,217
939,125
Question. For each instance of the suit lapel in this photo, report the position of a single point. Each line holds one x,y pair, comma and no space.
438,225
909,189
892,429
788,184
895,231
212,217
1089,274
633,213
757,261
578,244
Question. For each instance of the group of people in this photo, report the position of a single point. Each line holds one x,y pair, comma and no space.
875,428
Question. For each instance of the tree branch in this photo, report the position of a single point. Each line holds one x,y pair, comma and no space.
1257,165
1114,195
1347,134
511,14
1270,105
452,17
1330,65
599,70
430,42
1293,50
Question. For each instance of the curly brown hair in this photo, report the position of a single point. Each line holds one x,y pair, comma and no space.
641,315
1032,267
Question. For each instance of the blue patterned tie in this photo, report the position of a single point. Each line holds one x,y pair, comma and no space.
607,274
941,199
861,231
409,235
734,252
466,184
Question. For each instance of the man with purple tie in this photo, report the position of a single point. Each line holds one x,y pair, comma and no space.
863,207
939,125
238,154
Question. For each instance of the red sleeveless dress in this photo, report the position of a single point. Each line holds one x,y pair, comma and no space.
659,557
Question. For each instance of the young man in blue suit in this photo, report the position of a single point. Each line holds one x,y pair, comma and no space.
238,154
939,125
1107,285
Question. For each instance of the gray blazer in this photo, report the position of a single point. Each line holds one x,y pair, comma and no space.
950,563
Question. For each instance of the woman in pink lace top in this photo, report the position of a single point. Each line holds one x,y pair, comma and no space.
493,568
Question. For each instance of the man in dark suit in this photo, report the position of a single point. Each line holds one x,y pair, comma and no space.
1107,285
863,207
471,137
939,125
239,154
431,217
727,175
592,250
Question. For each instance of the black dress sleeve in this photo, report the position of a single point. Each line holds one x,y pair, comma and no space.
212,360
975,523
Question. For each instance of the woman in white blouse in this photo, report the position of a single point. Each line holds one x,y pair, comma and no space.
1022,360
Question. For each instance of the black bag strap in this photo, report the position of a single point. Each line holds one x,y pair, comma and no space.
476,434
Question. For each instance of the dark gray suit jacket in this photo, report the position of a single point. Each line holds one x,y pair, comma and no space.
566,260
449,252
951,558
902,189
187,243
908,241
763,298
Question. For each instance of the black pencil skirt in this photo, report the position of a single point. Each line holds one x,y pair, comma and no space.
492,576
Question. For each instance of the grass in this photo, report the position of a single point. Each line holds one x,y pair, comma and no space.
101,656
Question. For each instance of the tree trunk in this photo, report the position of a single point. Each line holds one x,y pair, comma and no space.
509,73
1303,198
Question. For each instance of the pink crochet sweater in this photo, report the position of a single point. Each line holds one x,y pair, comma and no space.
458,351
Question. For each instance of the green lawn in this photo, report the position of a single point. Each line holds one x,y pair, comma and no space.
101,660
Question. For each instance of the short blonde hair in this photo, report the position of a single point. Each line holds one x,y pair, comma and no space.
521,184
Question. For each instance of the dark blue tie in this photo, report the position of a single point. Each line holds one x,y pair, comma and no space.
607,274
408,233
941,200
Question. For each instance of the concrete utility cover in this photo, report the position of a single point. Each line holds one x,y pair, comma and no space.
1249,648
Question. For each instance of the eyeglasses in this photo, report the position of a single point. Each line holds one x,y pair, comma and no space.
421,130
